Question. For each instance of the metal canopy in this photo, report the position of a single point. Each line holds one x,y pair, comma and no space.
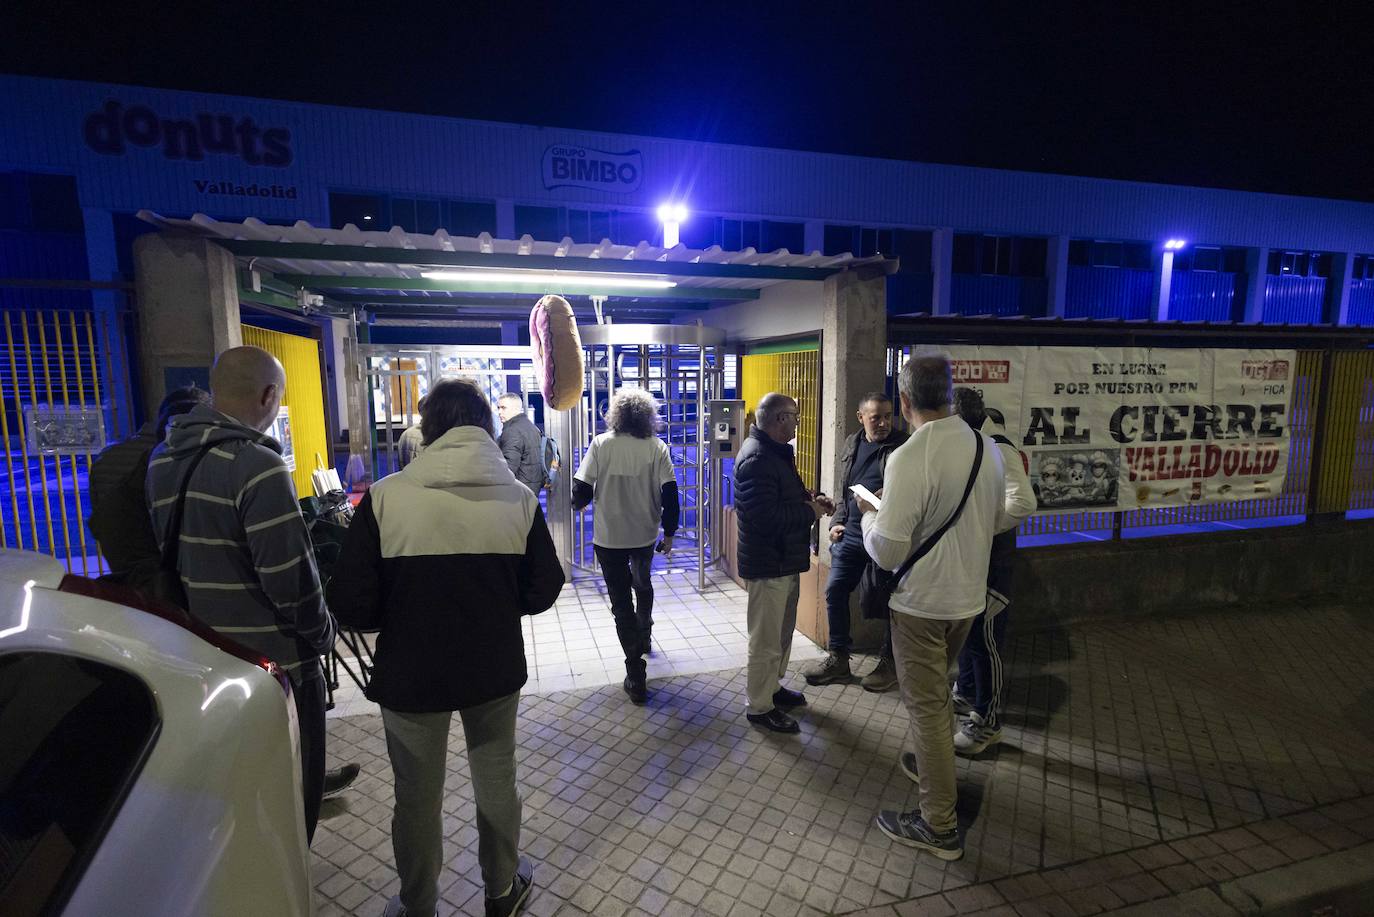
386,269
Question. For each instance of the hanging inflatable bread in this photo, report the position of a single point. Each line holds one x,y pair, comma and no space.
557,352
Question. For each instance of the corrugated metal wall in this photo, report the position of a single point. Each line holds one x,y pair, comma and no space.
1361,302
1295,300
43,256
304,397
1362,462
352,148
982,294
1196,296
796,374
908,293
1108,292
1343,481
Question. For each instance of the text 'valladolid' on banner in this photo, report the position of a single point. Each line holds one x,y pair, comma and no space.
1120,428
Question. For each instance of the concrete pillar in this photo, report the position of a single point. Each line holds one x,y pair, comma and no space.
1256,275
942,270
1337,306
505,219
1164,275
188,308
357,400
813,234
853,363
1056,275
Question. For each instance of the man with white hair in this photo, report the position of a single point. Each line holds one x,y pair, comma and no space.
628,473
244,555
775,514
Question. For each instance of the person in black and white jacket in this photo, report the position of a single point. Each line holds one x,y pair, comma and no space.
443,559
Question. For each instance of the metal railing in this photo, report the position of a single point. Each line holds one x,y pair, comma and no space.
69,359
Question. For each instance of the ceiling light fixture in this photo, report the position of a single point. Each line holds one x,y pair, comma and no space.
560,279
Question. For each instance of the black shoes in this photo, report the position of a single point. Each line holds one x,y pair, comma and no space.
830,670
785,698
637,689
513,902
339,779
774,720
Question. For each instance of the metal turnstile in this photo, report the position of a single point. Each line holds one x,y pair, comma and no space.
682,366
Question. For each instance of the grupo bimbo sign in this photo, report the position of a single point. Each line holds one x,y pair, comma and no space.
1124,428
579,167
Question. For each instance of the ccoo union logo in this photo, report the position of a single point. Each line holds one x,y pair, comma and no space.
579,167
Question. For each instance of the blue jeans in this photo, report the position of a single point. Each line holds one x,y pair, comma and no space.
847,561
848,558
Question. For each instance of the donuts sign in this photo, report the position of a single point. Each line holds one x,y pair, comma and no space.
580,167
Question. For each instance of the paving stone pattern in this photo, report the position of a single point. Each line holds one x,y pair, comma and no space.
1140,759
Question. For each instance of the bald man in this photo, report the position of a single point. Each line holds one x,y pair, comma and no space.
244,554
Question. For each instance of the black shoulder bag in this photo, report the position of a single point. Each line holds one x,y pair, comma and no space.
877,585
166,582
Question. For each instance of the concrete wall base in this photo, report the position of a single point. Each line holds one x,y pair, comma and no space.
1315,562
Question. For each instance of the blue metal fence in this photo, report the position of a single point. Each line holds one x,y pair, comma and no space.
1361,309
982,294
1210,296
1108,292
1295,300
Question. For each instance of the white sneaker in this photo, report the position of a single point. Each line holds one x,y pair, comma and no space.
974,736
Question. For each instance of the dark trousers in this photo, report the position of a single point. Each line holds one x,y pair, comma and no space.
848,558
626,573
980,662
309,697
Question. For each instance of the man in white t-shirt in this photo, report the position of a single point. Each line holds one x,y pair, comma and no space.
628,473
935,603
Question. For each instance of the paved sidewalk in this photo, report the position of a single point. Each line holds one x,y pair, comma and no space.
1140,759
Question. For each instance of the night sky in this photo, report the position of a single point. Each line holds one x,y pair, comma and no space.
1262,97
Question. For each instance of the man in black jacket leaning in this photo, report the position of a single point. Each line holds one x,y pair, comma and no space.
520,442
775,514
865,460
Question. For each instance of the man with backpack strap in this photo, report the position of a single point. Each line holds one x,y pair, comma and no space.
942,502
978,692
243,553
521,442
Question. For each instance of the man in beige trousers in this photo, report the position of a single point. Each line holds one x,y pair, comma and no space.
943,494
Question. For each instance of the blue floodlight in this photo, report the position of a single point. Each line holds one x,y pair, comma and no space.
672,213
1174,245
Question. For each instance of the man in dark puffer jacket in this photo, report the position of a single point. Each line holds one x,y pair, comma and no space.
775,514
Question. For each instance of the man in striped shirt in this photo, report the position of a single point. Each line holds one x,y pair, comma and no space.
245,556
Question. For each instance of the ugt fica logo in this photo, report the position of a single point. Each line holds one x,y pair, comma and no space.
115,127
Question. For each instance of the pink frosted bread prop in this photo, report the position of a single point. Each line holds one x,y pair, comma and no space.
557,352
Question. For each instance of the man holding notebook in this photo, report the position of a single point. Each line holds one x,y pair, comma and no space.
942,502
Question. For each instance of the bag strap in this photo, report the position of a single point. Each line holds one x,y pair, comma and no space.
930,542
171,547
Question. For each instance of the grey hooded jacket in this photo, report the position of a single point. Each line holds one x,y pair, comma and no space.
245,556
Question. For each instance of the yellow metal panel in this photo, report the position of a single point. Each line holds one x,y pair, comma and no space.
797,375
1347,431
304,397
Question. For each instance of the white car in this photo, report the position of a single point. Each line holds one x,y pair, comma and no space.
147,766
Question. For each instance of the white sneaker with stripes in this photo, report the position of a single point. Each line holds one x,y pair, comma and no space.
975,735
